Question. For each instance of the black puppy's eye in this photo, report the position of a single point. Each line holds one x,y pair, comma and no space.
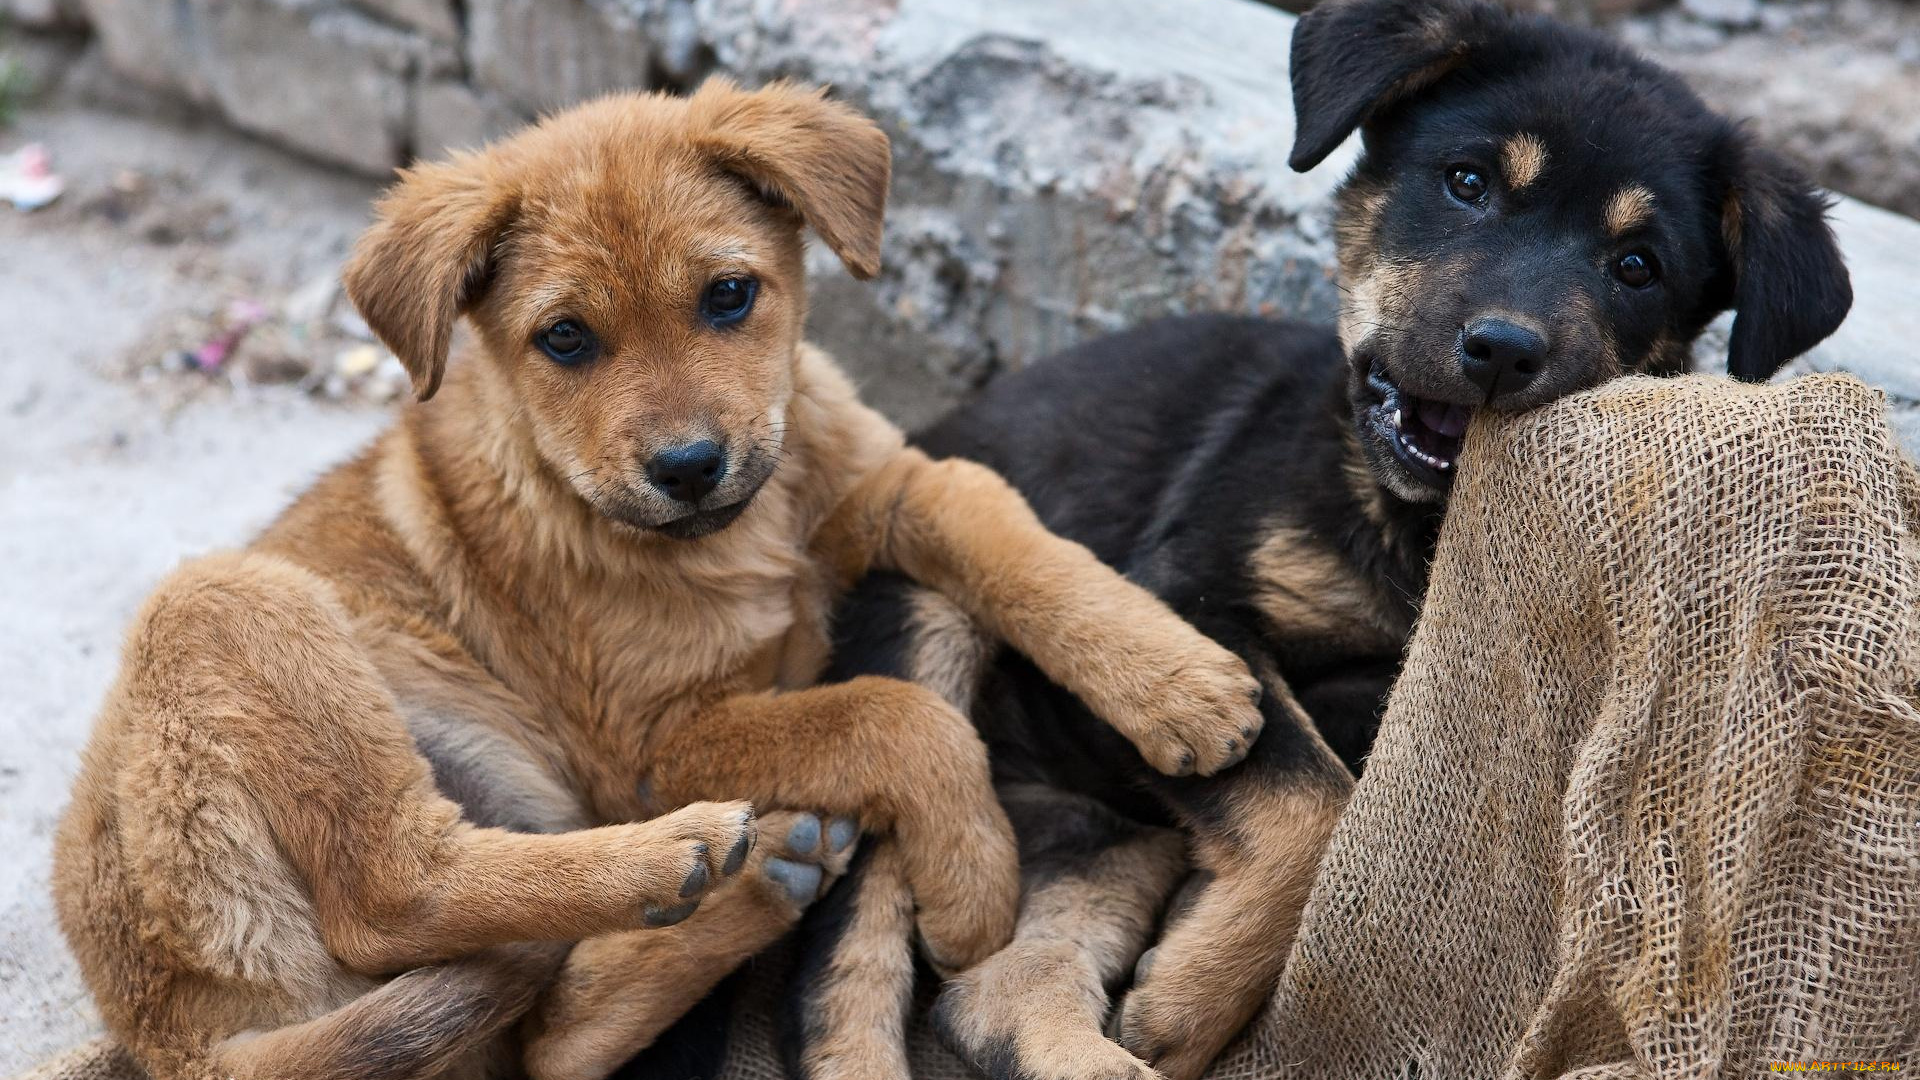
728,300
1636,269
567,341
1466,184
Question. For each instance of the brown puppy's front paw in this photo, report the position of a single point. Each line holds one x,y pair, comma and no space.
1198,718
800,857
691,851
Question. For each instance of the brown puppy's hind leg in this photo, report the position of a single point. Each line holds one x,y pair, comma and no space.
618,992
413,1027
1219,958
246,700
1095,884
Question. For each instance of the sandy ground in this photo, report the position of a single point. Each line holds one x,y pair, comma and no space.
105,484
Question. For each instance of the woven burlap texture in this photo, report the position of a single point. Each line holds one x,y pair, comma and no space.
1646,799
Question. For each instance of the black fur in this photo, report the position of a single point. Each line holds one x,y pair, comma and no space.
1438,85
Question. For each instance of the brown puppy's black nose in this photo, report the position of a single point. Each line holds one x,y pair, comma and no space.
1501,357
688,473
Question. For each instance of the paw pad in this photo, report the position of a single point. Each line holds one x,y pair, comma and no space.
800,880
697,878
804,837
658,917
841,834
737,855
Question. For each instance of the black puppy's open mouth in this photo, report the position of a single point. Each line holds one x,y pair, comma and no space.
1426,435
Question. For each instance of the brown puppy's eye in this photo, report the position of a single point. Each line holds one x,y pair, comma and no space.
1636,269
1466,184
568,342
728,300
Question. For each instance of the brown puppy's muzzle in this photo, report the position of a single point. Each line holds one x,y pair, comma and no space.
688,489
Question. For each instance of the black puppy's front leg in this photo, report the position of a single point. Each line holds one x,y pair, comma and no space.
1092,887
1258,831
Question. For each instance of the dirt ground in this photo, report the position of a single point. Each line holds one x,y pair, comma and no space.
106,483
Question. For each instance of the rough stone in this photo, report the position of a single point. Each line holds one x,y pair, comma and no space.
43,14
332,84
1061,168
152,43
433,17
543,54
451,115
1834,85
1906,424
318,77
1740,13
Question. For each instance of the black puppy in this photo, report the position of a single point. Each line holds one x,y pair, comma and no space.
1535,210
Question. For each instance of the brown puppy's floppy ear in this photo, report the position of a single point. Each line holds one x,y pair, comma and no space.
797,148
425,260
1351,59
1790,283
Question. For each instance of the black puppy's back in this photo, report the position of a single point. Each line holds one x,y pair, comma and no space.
1174,451
1112,441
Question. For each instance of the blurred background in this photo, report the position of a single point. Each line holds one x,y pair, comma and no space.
180,180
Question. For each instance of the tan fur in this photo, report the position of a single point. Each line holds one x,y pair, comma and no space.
951,651
1365,488
1215,964
1522,159
1628,209
857,1024
260,836
1377,299
1044,997
1307,590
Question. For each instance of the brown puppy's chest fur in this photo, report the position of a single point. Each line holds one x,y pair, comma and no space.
513,608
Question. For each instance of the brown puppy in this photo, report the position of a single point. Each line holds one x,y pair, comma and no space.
466,695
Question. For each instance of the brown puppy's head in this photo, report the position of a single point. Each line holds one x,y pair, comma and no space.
634,269
1536,210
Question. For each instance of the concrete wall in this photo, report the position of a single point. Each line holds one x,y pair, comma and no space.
1062,166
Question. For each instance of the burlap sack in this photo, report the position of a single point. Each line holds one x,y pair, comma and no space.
1646,802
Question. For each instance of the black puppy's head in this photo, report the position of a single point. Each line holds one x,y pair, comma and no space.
1536,210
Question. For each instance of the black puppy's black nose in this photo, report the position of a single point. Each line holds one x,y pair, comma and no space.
688,473
1501,357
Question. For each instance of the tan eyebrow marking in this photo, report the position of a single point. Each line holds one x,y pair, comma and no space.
1628,209
1522,159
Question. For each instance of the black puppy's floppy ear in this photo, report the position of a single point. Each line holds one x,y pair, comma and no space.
827,161
426,258
1352,58
1790,283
